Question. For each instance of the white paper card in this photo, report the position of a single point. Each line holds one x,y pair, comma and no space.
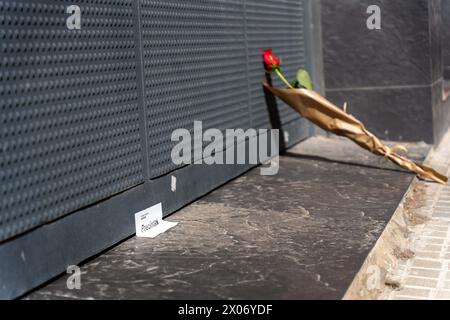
150,223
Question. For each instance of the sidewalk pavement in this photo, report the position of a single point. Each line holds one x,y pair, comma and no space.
426,275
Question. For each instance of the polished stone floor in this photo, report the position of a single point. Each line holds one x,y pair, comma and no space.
302,234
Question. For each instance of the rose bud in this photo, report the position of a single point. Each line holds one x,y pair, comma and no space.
270,61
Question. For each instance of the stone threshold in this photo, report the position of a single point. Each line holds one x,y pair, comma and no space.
301,234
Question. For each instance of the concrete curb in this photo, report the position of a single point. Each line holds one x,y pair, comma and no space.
377,274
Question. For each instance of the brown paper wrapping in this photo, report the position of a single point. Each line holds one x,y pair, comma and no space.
329,117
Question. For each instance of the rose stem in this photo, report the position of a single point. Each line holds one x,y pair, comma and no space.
280,75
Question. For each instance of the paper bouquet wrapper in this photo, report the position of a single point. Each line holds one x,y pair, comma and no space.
329,117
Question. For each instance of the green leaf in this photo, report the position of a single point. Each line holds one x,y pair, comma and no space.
304,79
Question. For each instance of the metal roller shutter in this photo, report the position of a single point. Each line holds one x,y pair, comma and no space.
89,113
69,103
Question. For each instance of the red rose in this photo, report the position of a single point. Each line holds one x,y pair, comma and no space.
270,61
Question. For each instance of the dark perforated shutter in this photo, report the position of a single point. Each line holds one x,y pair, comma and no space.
69,103
89,113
